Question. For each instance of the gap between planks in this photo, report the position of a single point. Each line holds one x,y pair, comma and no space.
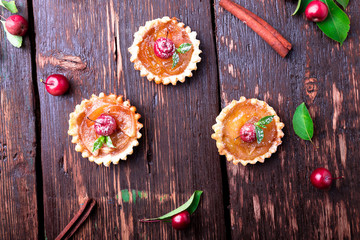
223,162
36,103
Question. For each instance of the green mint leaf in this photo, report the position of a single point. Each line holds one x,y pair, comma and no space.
259,125
343,3
9,6
191,205
301,6
109,142
98,143
175,59
259,134
185,47
16,41
337,24
302,123
265,121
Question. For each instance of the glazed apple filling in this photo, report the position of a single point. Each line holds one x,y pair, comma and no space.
242,113
125,121
163,67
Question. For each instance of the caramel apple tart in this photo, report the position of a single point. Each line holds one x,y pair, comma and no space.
166,51
247,131
105,128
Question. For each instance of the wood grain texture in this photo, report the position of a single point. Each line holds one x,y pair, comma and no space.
18,212
275,200
176,154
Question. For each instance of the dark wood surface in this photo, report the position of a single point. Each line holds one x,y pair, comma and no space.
276,198
18,199
44,181
173,157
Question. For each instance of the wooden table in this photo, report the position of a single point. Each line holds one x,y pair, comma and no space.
43,181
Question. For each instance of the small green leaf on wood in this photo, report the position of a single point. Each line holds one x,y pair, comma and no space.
9,6
185,47
175,59
259,134
337,24
190,206
343,3
302,123
16,41
99,143
109,142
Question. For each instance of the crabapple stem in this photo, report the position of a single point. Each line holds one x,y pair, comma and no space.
45,82
238,137
167,34
92,120
342,177
2,17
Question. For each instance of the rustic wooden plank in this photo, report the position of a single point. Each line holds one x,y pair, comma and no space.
18,212
176,155
275,200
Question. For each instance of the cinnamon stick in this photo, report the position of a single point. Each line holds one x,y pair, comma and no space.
272,30
261,27
77,220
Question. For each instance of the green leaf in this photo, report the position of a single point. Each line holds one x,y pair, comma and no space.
336,26
185,47
9,6
98,143
195,203
175,59
265,120
302,123
259,134
109,142
301,6
261,124
191,205
16,41
343,3
297,8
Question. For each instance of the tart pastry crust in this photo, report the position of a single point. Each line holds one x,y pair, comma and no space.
219,134
74,131
144,72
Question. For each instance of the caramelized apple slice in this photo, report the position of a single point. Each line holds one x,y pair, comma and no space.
124,119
